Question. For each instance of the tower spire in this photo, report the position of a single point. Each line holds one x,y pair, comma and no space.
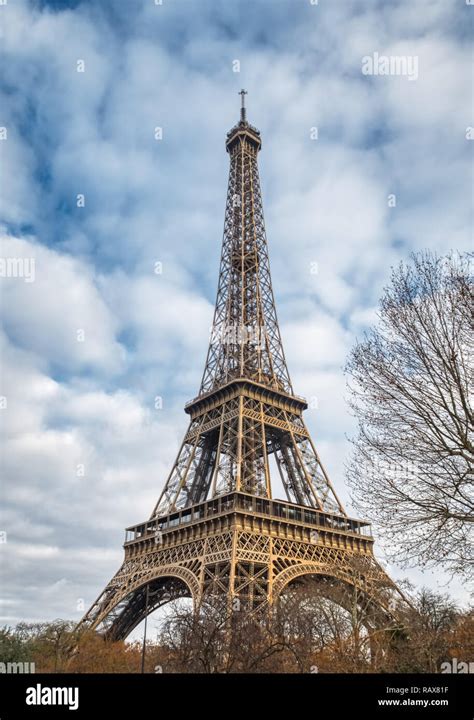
243,112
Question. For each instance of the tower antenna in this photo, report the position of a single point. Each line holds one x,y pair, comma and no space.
243,117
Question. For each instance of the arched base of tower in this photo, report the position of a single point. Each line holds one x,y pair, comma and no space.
359,585
123,605
247,550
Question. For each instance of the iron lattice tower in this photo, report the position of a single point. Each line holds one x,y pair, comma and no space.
216,528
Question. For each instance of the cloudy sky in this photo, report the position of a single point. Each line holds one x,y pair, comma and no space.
88,346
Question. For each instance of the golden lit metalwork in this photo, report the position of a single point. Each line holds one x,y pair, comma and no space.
216,528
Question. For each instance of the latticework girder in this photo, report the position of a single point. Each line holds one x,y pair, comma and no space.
216,528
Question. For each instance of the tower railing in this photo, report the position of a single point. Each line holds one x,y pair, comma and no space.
251,505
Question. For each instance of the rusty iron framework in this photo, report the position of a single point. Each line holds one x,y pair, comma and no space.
216,527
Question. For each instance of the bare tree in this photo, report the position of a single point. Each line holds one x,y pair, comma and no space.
410,382
219,639
429,637
325,622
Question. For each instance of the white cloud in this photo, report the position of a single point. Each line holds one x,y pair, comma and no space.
60,316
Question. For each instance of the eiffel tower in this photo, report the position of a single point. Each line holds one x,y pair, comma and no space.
216,528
